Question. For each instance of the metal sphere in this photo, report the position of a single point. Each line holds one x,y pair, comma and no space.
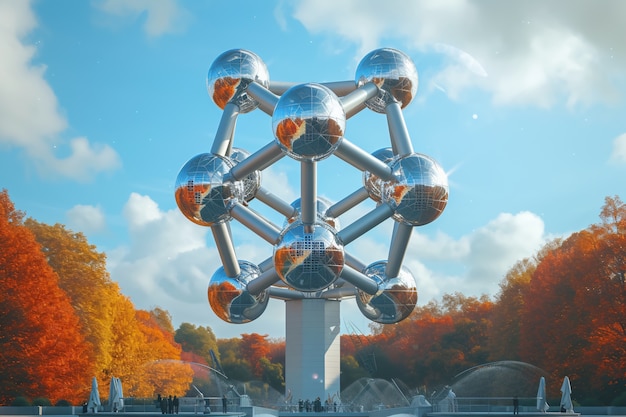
309,122
231,73
308,260
396,298
419,193
201,193
372,182
322,206
229,298
393,72
252,181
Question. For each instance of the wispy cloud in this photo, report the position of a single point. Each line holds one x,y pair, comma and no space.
30,117
618,155
161,17
86,219
539,53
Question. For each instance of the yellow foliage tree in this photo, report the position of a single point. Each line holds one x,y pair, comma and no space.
125,343
163,371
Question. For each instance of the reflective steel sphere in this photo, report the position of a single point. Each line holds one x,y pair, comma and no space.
419,193
252,181
229,76
308,261
309,122
229,298
371,182
201,193
393,72
395,299
322,206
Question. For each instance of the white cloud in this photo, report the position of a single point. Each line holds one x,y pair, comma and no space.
86,219
618,155
535,53
496,247
161,17
84,161
170,261
474,264
30,117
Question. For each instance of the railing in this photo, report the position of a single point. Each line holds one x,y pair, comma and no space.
484,404
196,405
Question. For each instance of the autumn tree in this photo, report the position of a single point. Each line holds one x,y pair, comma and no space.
42,352
163,371
505,332
606,292
254,347
277,351
573,320
84,278
126,343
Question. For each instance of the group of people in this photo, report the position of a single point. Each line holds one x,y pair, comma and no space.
316,405
168,405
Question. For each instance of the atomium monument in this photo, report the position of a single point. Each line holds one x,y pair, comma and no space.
310,266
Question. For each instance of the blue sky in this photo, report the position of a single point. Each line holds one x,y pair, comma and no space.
102,102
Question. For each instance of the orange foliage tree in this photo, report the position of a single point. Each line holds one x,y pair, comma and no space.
163,372
573,321
505,331
554,326
83,276
254,347
42,352
126,343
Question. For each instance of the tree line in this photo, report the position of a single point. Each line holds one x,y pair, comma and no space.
63,321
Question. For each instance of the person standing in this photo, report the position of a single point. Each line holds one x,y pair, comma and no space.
175,403
515,405
224,404
163,405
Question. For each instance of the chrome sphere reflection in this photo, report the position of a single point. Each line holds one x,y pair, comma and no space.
372,182
308,261
231,73
395,299
308,122
252,181
393,72
322,206
419,193
201,193
229,298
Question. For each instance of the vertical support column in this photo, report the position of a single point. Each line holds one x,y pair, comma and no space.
312,352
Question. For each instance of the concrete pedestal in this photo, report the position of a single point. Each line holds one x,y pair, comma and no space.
312,353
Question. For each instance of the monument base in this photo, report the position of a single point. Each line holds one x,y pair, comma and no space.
312,355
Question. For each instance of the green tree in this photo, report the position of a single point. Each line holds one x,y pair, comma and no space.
164,319
351,371
272,373
197,339
235,365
